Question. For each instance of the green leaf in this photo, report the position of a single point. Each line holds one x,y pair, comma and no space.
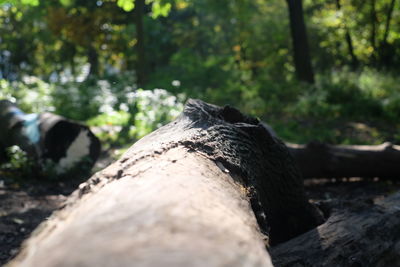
30,2
127,5
159,9
66,2
23,2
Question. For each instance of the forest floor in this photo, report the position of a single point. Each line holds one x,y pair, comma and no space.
24,206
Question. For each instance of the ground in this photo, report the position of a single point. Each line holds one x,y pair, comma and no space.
24,205
21,210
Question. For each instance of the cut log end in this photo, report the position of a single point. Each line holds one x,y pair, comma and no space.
67,144
50,140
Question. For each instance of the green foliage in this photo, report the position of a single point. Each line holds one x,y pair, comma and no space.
152,109
24,169
110,105
363,95
126,5
330,26
23,2
225,52
66,2
329,110
155,108
32,94
113,118
160,8
18,160
99,102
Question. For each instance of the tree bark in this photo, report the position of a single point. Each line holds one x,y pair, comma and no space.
388,20
363,235
302,60
141,64
373,30
204,190
93,59
386,50
319,160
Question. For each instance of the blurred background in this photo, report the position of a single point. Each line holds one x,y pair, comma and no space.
314,70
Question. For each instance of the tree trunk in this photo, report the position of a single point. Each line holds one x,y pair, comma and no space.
373,30
47,137
73,49
189,194
388,20
93,59
302,60
363,235
141,64
318,160
349,41
386,50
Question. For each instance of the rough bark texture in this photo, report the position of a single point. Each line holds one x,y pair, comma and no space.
319,160
363,235
141,63
189,194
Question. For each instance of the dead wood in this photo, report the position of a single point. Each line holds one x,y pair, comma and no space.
47,138
364,234
319,160
189,194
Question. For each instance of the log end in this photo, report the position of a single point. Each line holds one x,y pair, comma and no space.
68,144
249,149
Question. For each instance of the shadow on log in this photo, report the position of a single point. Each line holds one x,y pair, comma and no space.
209,189
47,138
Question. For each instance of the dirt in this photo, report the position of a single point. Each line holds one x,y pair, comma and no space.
25,203
24,206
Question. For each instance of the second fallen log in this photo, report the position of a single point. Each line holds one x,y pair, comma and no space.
47,138
320,160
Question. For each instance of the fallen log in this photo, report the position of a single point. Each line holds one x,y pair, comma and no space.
47,138
364,234
209,189
319,160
